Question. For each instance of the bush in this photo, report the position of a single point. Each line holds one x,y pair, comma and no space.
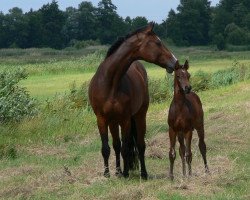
15,101
79,96
84,43
200,81
160,89
229,76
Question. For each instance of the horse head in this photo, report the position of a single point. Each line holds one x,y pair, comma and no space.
151,49
182,77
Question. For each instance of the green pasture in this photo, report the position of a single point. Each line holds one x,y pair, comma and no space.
45,86
56,154
52,71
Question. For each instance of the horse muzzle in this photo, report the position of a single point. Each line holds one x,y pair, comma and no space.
187,89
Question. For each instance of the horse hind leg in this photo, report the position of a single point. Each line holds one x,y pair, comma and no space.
114,129
172,154
103,130
125,131
188,152
202,147
182,153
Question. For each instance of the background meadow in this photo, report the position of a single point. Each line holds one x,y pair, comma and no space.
55,153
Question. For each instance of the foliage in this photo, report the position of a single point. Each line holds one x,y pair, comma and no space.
200,81
8,151
220,41
191,24
84,43
15,102
194,23
229,76
159,90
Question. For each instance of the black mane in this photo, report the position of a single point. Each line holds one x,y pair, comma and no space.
120,40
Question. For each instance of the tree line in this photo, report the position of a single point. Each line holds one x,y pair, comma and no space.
195,22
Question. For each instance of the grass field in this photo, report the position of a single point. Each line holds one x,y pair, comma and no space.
56,155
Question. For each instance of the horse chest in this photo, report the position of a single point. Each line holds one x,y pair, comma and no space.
115,107
182,121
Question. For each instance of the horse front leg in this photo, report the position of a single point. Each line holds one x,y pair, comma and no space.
182,152
188,152
172,154
125,131
103,130
114,129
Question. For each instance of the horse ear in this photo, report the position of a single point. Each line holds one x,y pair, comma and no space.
186,65
150,27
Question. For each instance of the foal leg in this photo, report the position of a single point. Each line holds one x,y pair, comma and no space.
125,130
182,152
103,130
114,129
202,147
141,131
172,154
188,152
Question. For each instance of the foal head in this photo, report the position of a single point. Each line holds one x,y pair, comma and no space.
151,49
182,77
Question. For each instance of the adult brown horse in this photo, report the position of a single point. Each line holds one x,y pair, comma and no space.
118,94
185,115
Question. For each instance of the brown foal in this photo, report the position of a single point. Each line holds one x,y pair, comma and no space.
185,115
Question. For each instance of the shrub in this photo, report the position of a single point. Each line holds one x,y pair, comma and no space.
200,81
160,89
84,43
79,96
15,101
228,76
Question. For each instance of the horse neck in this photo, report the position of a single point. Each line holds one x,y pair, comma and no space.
179,95
116,66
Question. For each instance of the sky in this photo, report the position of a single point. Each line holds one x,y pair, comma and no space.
153,10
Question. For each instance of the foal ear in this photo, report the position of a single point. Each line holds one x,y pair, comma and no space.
186,65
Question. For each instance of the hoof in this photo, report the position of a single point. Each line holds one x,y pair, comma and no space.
106,174
125,174
171,177
144,176
118,172
207,170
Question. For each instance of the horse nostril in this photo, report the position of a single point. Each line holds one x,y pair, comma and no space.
187,89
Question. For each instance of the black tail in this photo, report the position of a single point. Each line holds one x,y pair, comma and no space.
133,151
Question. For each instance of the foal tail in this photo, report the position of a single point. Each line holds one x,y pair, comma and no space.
133,150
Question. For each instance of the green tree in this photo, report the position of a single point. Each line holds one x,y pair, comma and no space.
16,26
138,22
190,26
87,21
231,18
110,24
52,20
34,29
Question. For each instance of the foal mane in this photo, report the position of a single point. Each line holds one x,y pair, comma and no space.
120,40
